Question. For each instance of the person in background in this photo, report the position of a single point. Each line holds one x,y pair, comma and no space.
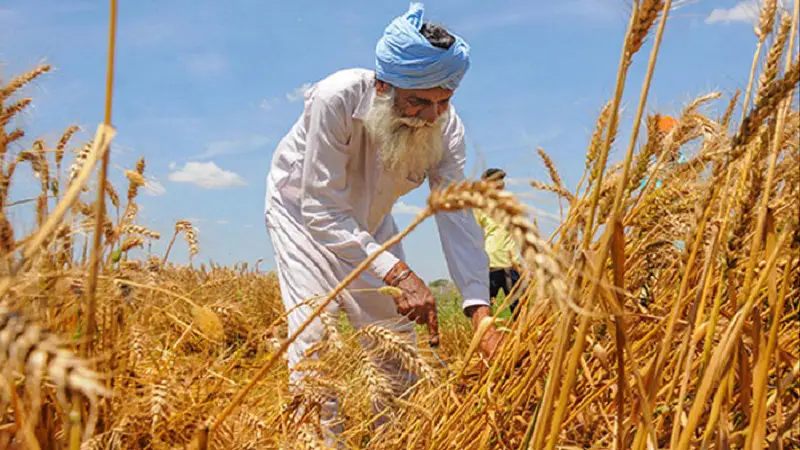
504,261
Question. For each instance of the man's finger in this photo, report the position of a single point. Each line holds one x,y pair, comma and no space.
402,307
433,327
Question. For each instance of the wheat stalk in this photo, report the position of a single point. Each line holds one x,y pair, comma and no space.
378,385
726,117
8,113
554,189
21,80
508,212
770,69
80,160
391,344
159,405
137,229
766,19
597,136
31,350
62,143
551,168
112,194
10,138
136,180
131,242
773,94
646,16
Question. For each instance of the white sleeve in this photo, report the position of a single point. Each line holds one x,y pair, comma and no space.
324,192
462,237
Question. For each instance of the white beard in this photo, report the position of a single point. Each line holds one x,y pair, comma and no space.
407,145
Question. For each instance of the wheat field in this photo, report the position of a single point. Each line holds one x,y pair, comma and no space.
663,312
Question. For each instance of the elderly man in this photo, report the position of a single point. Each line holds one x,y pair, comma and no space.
366,138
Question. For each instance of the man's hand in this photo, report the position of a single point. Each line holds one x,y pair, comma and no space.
492,339
417,301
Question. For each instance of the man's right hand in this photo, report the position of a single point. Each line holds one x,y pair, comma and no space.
417,301
492,339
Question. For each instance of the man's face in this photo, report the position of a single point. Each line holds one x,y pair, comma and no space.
424,104
407,124
499,184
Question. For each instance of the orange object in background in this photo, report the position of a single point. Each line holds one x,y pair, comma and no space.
666,124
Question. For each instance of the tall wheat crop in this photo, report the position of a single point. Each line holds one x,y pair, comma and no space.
663,312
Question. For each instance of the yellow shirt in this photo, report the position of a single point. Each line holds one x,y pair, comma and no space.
498,243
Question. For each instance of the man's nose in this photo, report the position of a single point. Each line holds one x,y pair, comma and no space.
429,114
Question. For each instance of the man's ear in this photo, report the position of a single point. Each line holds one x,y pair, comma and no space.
381,87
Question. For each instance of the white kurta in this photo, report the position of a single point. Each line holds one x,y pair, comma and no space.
328,206
329,170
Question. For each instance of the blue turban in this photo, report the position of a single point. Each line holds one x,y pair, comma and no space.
406,59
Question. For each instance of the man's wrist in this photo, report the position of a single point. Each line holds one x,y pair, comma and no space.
383,263
398,273
478,312
470,302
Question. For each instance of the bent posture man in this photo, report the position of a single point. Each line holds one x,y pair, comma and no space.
365,138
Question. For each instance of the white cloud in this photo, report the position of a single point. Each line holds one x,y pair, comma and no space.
223,222
206,175
268,104
206,64
403,208
544,137
234,146
297,94
745,11
172,165
154,188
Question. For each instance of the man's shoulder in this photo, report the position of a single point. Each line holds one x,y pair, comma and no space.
453,127
343,84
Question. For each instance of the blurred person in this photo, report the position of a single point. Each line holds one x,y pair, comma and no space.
504,260
364,139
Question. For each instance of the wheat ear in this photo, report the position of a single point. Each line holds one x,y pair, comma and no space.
21,80
31,350
390,343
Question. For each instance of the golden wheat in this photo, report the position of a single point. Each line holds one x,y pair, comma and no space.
684,336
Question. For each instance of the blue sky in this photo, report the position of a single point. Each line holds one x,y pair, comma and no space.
204,91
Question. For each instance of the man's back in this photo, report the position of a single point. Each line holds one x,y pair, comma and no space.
342,90
498,243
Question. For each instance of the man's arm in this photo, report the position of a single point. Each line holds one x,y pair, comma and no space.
462,238
327,214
